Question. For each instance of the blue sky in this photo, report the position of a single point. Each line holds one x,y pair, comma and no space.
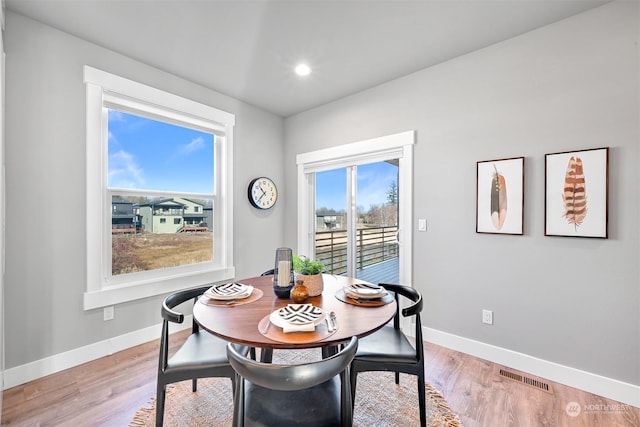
374,181
151,155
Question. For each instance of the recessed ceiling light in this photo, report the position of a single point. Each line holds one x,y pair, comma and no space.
303,70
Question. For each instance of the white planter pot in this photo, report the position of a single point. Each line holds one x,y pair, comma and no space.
313,283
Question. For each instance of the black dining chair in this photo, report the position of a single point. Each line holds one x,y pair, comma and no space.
202,354
314,394
266,354
389,349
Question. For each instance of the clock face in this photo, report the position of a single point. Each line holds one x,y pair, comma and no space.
262,193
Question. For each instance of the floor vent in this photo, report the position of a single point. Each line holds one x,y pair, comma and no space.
527,381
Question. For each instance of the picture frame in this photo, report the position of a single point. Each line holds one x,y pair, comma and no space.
577,193
500,196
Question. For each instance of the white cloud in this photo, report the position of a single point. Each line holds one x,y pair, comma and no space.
124,171
116,116
373,188
113,140
195,145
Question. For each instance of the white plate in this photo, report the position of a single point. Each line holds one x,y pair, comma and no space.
300,314
228,291
365,291
316,317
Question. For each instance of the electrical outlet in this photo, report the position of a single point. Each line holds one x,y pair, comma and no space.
108,313
487,317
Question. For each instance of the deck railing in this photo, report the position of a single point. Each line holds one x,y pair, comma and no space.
373,245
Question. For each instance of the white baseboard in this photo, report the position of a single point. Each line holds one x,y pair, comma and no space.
59,362
602,386
613,389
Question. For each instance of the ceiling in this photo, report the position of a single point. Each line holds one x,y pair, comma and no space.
247,49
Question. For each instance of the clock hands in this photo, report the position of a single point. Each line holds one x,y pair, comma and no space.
264,193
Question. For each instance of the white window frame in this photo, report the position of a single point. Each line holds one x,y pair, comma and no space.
103,289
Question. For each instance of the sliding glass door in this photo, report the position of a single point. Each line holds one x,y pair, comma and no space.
354,210
356,224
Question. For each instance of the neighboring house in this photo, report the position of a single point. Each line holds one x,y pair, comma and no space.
123,217
208,217
330,221
173,215
195,216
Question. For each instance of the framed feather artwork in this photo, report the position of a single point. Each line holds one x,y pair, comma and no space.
577,193
500,196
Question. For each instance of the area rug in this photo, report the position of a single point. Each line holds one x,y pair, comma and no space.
379,402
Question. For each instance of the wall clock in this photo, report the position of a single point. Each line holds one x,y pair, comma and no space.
262,193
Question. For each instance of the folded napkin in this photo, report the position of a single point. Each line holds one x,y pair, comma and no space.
290,327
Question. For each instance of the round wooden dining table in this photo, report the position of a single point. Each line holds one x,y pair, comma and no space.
247,321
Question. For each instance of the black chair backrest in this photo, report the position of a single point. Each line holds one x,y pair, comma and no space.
412,310
178,298
170,315
292,377
409,293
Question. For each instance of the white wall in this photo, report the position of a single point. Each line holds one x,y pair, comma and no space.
45,195
1,203
572,85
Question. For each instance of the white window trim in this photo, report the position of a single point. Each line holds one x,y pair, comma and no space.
99,293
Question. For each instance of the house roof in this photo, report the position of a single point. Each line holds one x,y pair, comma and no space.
170,201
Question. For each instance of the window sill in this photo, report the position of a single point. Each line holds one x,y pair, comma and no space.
119,294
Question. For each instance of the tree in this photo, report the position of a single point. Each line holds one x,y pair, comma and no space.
392,194
328,211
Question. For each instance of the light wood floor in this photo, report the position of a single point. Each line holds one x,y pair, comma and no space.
108,392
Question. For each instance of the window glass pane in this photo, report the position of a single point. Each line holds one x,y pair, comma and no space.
151,233
378,194
377,225
148,154
374,239
331,220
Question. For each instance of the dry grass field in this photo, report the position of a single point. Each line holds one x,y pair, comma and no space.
150,251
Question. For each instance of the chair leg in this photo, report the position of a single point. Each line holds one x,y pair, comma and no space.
353,378
397,377
194,385
329,351
160,396
238,402
266,355
421,401
233,386
346,399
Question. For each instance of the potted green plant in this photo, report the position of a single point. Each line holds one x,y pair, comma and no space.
310,272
